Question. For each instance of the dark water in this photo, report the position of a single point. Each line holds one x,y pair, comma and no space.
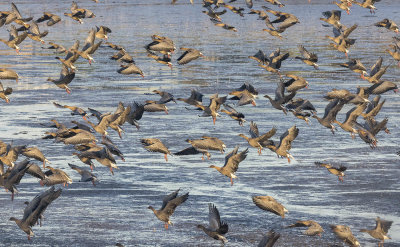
116,209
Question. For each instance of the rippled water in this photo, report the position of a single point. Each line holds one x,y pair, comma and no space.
116,209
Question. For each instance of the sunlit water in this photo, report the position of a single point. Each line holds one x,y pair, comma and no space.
116,209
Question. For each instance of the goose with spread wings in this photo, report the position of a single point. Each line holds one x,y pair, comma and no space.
285,144
217,228
232,161
170,203
35,209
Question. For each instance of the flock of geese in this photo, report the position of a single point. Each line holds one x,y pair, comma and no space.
84,137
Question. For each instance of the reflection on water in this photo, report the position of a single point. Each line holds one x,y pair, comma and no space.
116,209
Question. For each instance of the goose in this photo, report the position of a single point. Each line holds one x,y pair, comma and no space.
130,69
196,98
35,209
155,145
35,153
170,203
285,143
232,161
165,97
368,4
35,34
356,66
58,48
50,18
295,84
376,71
217,228
86,176
235,115
71,56
75,110
269,239
338,171
275,2
343,5
213,108
307,57
55,176
102,31
234,9
287,20
256,140
280,97
380,231
10,74
165,59
313,227
351,117
189,55
161,44
5,92
344,233
66,76
14,177
223,25
89,47
14,39
332,17
268,203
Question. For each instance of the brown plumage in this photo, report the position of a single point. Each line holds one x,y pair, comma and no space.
296,83
34,153
155,145
356,66
338,171
285,144
380,231
35,209
269,239
280,97
55,176
50,18
256,140
75,110
170,202
344,233
351,117
235,115
130,69
5,92
66,76
308,57
14,177
196,98
268,203
102,31
313,227
161,44
189,55
232,161
217,228
14,39
205,144
213,108
8,74
332,17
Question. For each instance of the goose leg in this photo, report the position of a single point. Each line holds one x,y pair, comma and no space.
111,170
166,226
166,158
231,182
